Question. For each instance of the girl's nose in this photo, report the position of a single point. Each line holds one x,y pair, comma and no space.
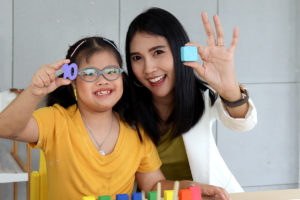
102,80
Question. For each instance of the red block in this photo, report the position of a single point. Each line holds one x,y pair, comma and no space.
196,193
185,194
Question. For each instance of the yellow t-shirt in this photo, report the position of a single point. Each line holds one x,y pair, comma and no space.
75,168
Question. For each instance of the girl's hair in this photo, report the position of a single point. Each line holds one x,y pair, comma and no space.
84,49
189,101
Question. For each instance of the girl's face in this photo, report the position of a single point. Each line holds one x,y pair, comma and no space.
152,63
100,95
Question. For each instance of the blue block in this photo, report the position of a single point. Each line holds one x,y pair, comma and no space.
122,197
189,53
136,196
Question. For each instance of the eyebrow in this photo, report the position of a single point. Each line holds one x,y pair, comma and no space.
151,49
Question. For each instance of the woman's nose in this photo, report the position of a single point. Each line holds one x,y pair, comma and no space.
150,66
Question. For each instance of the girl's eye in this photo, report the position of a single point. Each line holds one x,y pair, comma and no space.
112,71
157,52
136,58
89,72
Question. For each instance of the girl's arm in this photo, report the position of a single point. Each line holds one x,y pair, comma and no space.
148,182
16,121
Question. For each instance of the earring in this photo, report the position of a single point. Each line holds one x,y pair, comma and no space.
135,83
75,93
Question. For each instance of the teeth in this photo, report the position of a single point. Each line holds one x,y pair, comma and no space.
103,92
154,80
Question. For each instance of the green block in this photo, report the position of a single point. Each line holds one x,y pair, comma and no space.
152,195
106,197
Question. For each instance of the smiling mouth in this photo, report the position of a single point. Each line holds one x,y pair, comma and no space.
157,79
104,92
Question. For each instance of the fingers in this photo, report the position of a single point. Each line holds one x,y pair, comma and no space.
197,67
62,81
57,65
235,39
211,41
47,74
219,30
201,49
222,194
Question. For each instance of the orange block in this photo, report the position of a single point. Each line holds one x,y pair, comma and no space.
185,194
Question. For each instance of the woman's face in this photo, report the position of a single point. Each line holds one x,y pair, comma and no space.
152,63
100,95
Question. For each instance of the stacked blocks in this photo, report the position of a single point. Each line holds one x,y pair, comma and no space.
188,53
192,193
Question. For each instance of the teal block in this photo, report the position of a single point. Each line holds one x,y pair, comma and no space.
189,53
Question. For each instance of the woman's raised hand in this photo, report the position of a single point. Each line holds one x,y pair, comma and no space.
218,62
45,81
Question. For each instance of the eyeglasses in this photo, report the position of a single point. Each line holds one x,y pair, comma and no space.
110,73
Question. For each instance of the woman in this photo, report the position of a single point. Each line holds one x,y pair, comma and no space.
176,108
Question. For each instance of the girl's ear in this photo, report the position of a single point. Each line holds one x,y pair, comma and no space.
74,89
73,84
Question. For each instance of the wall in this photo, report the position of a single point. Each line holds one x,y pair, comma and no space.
267,60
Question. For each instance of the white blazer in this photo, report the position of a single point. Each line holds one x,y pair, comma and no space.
207,165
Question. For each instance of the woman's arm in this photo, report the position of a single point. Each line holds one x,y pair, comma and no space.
148,182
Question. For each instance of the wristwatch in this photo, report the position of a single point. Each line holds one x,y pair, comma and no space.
243,100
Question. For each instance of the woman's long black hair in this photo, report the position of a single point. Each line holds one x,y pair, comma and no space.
189,100
84,49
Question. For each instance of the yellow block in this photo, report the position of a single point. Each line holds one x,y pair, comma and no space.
168,194
35,186
89,198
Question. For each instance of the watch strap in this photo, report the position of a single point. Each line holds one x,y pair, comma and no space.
243,100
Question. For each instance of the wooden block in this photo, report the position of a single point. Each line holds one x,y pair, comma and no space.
122,197
152,195
89,198
196,193
185,194
105,197
168,194
136,196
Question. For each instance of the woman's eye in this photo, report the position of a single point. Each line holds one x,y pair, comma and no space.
157,52
136,58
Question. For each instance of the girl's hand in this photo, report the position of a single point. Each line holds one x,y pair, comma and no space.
45,81
218,62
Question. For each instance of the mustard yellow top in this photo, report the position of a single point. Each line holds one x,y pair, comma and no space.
173,156
75,168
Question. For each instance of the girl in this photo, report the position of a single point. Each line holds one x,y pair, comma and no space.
89,149
177,109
